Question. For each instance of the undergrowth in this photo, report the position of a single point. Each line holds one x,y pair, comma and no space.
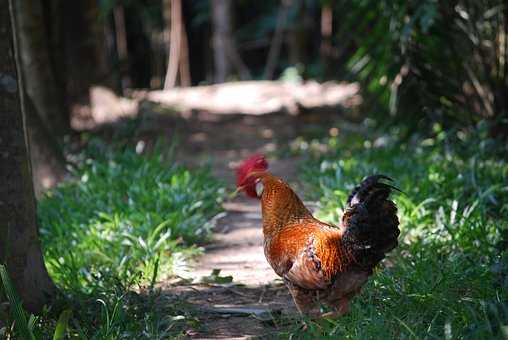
125,221
448,278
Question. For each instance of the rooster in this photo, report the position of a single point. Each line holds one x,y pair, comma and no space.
322,264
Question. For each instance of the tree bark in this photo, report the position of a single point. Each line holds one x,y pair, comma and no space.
175,43
298,35
326,32
221,20
224,48
178,61
184,67
19,241
81,54
41,84
276,45
121,45
45,110
48,161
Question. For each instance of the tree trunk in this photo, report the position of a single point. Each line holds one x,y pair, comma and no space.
299,35
224,48
184,67
325,50
19,241
221,21
178,60
45,100
121,46
48,162
277,40
82,61
175,43
41,84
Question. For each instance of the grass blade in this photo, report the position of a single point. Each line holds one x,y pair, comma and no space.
62,324
16,309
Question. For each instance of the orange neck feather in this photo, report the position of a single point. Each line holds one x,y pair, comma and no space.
279,204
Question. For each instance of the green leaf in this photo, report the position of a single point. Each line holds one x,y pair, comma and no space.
62,324
19,315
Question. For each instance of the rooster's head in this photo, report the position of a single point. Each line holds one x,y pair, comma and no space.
247,174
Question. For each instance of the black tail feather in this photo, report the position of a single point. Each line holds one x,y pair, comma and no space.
371,222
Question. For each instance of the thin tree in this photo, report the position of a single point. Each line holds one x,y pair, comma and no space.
221,27
277,40
325,49
19,240
225,52
121,45
178,61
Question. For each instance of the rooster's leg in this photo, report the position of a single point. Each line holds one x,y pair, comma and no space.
305,300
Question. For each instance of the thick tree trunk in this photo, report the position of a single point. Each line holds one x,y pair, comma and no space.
19,242
41,84
82,59
45,110
48,162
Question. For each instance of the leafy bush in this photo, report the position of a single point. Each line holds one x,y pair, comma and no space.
448,277
430,61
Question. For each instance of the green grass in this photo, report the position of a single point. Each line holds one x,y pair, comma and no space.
448,278
125,215
124,222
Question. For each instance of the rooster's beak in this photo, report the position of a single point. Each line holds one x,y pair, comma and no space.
235,193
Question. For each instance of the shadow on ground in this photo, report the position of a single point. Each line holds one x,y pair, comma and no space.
231,310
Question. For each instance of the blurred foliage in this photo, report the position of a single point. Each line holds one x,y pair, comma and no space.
429,61
449,276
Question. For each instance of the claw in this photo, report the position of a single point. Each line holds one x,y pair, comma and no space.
340,310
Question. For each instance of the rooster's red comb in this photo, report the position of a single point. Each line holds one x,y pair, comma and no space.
255,162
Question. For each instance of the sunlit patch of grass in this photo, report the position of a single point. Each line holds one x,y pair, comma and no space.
127,220
448,277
